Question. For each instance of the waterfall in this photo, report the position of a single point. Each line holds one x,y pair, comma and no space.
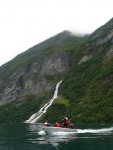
43,110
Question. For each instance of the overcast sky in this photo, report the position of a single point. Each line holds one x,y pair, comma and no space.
24,23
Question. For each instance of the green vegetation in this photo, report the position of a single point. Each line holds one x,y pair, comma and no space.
57,111
62,100
19,112
89,89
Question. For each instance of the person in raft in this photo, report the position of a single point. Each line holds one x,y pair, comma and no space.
57,124
46,124
71,126
65,122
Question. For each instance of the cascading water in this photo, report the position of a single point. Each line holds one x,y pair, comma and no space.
43,110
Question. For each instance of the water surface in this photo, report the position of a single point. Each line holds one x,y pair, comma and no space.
22,136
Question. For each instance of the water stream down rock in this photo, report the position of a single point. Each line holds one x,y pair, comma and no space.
34,118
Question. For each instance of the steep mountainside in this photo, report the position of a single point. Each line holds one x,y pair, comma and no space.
37,70
31,77
88,86
84,63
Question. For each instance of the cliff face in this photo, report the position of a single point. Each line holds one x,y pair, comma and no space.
99,41
35,78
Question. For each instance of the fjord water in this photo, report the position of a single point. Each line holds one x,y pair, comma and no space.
23,136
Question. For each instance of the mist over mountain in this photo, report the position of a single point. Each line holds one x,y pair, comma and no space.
84,63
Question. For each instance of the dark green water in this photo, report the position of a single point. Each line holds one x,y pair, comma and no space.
27,137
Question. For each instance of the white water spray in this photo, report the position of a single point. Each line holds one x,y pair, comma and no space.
103,130
43,110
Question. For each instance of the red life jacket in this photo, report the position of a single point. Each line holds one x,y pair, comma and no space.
65,120
45,124
57,124
72,126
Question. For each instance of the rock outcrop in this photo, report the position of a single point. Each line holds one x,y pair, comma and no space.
36,78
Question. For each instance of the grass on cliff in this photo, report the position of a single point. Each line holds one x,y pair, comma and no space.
19,112
89,89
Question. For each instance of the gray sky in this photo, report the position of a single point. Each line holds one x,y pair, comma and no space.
24,23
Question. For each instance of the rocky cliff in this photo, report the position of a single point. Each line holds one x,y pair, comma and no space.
36,78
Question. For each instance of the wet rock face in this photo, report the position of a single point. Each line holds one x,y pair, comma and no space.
31,79
85,58
57,63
